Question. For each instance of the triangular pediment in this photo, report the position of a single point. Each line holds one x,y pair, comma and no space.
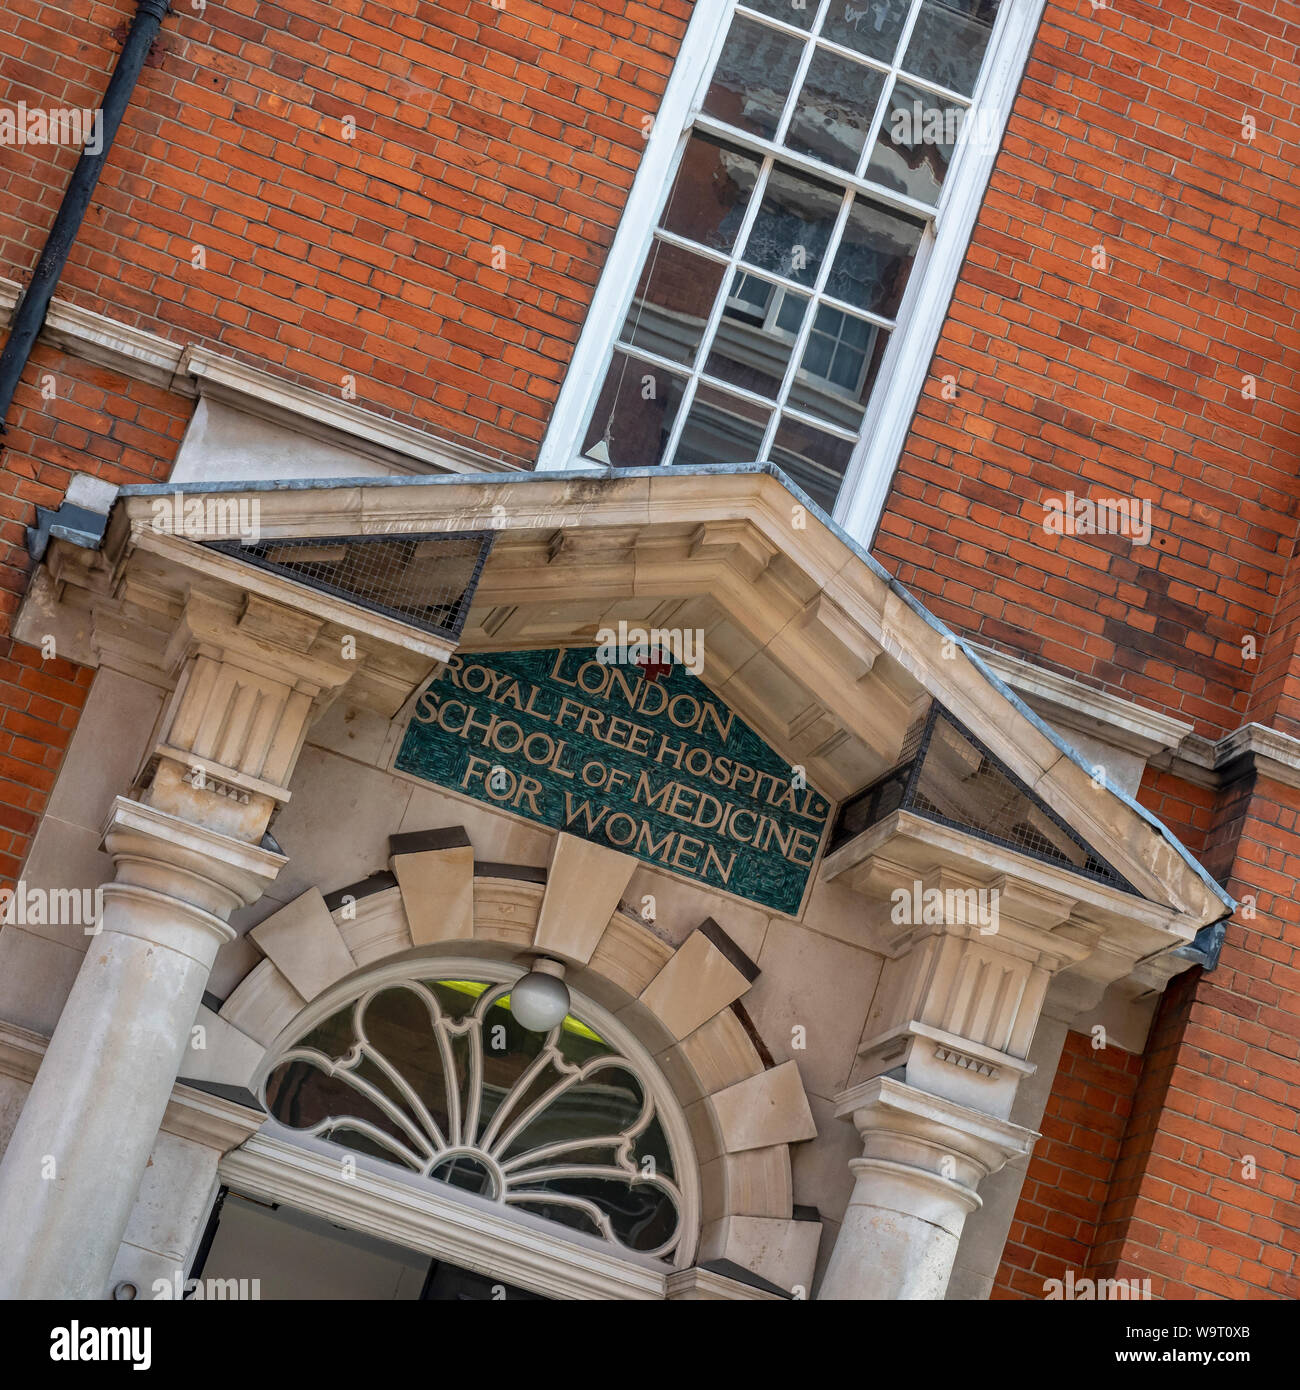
807,640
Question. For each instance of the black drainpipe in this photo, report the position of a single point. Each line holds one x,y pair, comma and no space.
29,318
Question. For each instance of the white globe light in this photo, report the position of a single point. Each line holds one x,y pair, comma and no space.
539,1001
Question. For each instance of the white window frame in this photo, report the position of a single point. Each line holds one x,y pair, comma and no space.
925,303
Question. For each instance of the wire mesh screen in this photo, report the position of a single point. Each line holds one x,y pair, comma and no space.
949,776
424,580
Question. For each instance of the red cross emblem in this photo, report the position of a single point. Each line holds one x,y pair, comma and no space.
651,669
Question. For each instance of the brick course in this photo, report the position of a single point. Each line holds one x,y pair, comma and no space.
415,196
1126,381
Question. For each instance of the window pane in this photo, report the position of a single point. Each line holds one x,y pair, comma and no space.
813,460
634,414
839,367
949,40
710,192
721,429
872,27
672,302
754,341
835,108
875,258
753,77
797,12
794,225
915,144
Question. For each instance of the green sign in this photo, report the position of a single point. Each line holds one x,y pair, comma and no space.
648,761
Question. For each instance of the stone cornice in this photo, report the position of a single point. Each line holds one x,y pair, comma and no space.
198,371
1257,748
133,604
1070,704
1165,742
905,845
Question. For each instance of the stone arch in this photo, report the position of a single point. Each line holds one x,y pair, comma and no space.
680,1002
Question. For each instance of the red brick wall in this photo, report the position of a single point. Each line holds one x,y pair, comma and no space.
40,703
1218,1084
1275,695
1127,133
98,422
1068,1178
1188,810
68,417
370,257
1221,1091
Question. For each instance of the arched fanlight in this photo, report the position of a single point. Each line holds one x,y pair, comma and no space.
468,1082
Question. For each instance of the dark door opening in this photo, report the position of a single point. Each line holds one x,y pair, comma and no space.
292,1254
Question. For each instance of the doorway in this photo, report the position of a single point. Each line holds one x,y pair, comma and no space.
292,1254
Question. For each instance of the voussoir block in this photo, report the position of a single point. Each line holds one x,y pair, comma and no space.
584,885
435,869
707,972
304,942
769,1108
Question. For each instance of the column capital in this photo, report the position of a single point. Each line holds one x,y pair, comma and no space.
161,853
901,1125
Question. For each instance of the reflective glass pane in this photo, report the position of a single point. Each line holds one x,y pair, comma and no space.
672,302
915,143
634,414
300,1095
872,27
555,1121
793,226
640,1217
756,335
753,77
721,428
949,40
839,367
797,12
835,107
812,459
875,257
710,192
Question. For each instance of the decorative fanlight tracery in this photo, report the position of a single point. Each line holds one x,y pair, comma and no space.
437,1075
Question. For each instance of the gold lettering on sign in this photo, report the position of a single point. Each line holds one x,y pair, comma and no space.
513,728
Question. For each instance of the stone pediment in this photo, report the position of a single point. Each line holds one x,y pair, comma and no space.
804,636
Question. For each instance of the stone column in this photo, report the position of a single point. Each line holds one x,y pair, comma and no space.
187,853
70,1174
923,1158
